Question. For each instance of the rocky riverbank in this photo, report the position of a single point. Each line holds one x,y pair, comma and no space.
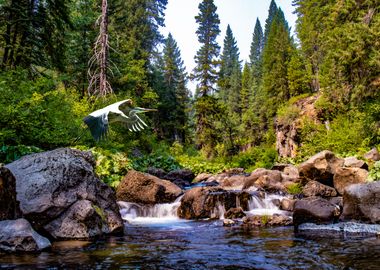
56,195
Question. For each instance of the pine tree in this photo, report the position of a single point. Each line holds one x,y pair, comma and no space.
256,51
205,72
268,22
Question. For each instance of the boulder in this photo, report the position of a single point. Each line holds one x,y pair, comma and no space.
49,184
234,213
314,188
181,177
268,179
287,204
353,162
320,167
210,202
362,202
345,177
269,184
19,236
234,182
228,222
144,188
268,221
372,155
160,173
338,201
314,210
202,177
9,206
340,230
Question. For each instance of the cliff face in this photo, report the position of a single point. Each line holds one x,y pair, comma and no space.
287,132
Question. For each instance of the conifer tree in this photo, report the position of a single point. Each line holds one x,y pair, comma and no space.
256,51
268,22
205,72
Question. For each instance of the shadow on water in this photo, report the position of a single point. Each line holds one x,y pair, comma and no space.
203,245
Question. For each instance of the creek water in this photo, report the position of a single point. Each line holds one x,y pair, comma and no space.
155,238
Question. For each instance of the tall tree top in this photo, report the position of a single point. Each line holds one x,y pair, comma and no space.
257,44
268,22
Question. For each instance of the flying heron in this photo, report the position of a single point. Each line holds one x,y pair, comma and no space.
121,111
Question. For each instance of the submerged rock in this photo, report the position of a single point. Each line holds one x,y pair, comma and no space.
362,202
315,210
341,230
321,167
49,186
345,177
18,235
9,206
144,188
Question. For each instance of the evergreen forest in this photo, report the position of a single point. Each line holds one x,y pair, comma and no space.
60,60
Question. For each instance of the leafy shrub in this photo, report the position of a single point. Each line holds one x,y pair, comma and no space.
374,173
258,157
294,188
287,114
11,153
157,160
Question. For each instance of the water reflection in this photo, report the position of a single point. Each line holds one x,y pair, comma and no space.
203,245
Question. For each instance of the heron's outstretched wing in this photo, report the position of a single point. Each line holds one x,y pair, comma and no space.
134,122
98,125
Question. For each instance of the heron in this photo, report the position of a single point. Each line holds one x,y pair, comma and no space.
121,111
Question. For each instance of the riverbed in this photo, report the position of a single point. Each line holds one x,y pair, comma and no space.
180,244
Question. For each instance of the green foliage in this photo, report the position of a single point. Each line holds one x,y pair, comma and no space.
157,160
12,153
374,173
257,157
294,189
39,112
287,114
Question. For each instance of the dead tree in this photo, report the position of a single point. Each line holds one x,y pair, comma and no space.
99,62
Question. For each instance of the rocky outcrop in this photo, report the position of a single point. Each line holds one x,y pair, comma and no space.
9,206
264,178
321,167
210,202
234,213
353,162
314,188
50,186
144,188
19,236
314,210
372,155
345,177
362,202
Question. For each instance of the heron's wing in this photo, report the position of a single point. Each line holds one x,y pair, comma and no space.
134,122
98,125
125,106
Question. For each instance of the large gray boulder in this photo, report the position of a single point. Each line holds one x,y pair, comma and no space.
9,206
314,188
144,188
315,210
18,235
345,177
49,186
362,202
320,167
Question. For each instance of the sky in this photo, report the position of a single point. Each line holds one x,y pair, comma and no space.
239,14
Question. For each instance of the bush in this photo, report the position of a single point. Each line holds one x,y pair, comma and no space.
294,189
9,154
374,173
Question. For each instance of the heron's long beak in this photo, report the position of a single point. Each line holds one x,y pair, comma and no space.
143,110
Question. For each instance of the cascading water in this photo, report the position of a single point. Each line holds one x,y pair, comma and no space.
158,213
264,206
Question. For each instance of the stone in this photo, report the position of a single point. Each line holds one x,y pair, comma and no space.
181,177
160,173
268,221
345,177
269,184
228,222
234,182
372,155
48,184
314,210
9,206
19,236
362,202
287,204
210,202
340,230
269,178
338,201
202,177
314,188
234,213
144,188
321,167
353,162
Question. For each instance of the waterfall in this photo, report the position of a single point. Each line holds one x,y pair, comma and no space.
264,206
158,213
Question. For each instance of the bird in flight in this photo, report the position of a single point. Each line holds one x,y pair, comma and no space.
121,111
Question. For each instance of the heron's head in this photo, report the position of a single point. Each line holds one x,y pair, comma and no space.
143,110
